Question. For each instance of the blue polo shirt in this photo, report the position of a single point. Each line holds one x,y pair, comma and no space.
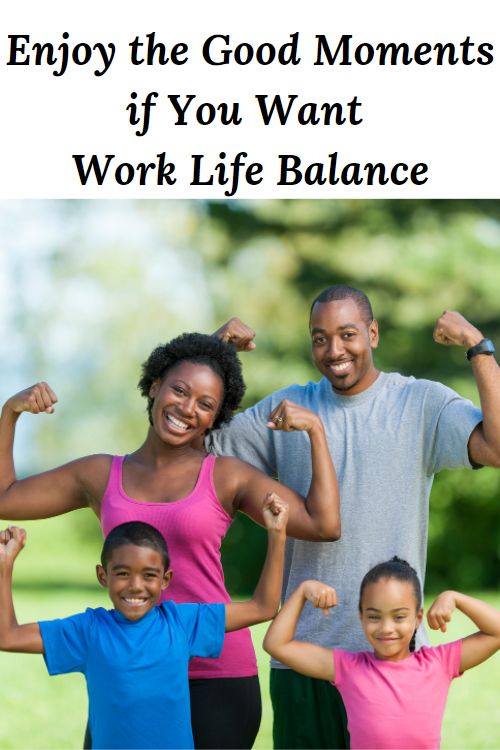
136,672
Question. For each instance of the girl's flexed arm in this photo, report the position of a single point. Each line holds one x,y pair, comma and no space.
479,646
52,492
306,658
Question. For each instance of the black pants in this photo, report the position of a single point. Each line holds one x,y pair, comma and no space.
225,713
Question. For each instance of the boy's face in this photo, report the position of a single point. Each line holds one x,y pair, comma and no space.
135,578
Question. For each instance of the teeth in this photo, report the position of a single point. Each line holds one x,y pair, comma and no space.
177,422
135,601
341,366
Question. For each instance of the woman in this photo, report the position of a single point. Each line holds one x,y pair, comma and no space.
191,384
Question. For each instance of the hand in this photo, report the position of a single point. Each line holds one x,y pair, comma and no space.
452,329
12,540
238,334
275,512
439,615
320,595
39,398
288,417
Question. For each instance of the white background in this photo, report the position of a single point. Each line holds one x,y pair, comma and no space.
445,116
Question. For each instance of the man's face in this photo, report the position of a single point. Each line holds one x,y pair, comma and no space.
342,344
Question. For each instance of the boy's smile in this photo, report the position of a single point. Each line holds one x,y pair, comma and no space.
389,617
135,578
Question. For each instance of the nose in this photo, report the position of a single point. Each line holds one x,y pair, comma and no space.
187,406
335,348
135,584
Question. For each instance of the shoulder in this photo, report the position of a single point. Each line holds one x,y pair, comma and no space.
430,392
447,655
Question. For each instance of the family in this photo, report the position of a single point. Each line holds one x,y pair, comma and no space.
344,466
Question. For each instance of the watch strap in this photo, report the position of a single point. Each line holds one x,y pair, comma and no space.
485,346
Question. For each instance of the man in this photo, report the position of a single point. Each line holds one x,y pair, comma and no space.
388,436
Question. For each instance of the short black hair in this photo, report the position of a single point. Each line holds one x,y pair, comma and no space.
138,533
343,291
401,571
203,349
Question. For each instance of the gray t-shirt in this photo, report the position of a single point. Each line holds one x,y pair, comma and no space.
387,443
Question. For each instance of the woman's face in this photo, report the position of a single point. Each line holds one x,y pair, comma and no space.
389,617
186,402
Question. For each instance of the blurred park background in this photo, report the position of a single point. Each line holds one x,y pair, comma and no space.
88,288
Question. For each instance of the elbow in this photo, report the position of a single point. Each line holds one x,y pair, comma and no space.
330,533
267,645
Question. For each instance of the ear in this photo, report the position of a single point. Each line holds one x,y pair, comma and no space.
373,333
167,577
102,576
155,386
420,615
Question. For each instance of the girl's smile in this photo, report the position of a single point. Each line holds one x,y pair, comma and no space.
389,617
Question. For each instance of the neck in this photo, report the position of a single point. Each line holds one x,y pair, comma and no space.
155,452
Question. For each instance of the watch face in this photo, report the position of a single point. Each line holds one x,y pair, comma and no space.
484,347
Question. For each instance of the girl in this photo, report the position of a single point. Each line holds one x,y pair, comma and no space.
191,384
395,697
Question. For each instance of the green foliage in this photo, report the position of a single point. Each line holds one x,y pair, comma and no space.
109,280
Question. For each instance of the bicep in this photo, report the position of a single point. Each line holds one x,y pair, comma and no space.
254,486
480,454
307,659
26,639
50,493
476,648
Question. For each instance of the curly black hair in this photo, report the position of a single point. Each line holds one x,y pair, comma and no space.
203,349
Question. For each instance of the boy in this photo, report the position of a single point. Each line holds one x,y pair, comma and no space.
135,656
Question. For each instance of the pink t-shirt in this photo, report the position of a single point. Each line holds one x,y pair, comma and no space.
193,528
396,704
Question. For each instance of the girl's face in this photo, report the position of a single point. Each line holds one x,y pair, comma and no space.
186,402
389,617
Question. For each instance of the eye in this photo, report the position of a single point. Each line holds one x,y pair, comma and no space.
207,405
373,618
318,340
348,335
178,389
121,574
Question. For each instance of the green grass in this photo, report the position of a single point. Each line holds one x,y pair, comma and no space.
38,711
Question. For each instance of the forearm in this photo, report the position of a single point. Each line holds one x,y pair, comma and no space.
487,375
8,420
485,617
282,629
322,501
8,620
266,598
14,637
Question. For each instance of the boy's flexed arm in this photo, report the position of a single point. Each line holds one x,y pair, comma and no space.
306,658
266,598
13,637
479,646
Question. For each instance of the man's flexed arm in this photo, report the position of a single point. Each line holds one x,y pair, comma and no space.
452,329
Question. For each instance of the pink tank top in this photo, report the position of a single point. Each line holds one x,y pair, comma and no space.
193,528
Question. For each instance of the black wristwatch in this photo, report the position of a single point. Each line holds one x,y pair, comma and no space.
484,347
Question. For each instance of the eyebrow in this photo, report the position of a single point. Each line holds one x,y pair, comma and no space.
396,609
316,329
123,566
180,380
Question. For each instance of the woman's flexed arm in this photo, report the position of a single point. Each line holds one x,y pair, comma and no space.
315,517
51,493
